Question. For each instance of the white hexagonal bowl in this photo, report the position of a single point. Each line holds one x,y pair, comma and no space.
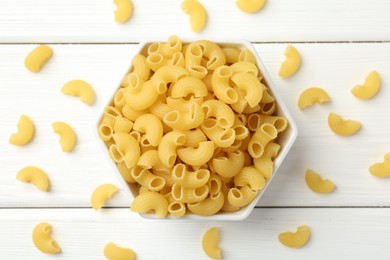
286,140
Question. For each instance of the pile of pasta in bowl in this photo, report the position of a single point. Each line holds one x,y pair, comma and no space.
192,128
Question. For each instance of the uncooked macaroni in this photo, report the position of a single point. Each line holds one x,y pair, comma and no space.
25,132
250,6
312,96
197,13
210,243
81,89
35,176
42,239
67,135
101,194
295,239
317,184
370,88
292,62
37,58
343,127
382,169
123,11
114,252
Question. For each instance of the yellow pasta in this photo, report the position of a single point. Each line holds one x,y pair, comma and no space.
231,54
180,120
160,108
151,126
197,156
210,243
147,179
250,176
143,99
25,132
221,137
254,122
81,89
131,113
219,110
194,137
251,86
188,179
167,75
292,63
214,54
295,239
188,86
189,195
312,96
106,127
241,131
245,67
168,147
260,139
140,67
197,71
250,6
343,127
198,15
151,160
129,148
122,125
125,172
42,239
150,201
370,88
279,122
114,252
240,197
229,166
265,163
123,11
247,56
220,82
37,58
174,45
35,176
67,135
101,194
317,184
209,206
177,209
382,169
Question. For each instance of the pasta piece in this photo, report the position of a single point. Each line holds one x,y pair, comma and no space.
265,163
122,125
250,6
251,177
148,201
254,122
222,112
42,239
188,86
239,128
197,156
209,206
129,147
125,172
227,207
123,11
187,179
35,176
292,63
215,184
260,139
245,67
214,54
231,54
140,67
120,97
115,154
157,61
193,55
343,127
229,166
370,88
312,96
198,15
236,145
167,75
132,114
37,58
67,136
251,86
177,209
268,109
221,137
221,86
247,56
183,104
189,195
167,177
147,179
180,120
194,137
210,243
151,126
267,96
160,108
106,127
168,146
251,110
81,89
114,252
101,194
317,184
381,170
151,160
25,132
297,239
174,45
197,71
240,197
279,122
143,99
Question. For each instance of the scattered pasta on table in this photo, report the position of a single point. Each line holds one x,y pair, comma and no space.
25,134
317,184
210,243
101,194
114,252
35,176
37,58
382,169
42,239
295,239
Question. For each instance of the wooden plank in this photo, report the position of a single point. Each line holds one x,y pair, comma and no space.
82,234
335,67
280,20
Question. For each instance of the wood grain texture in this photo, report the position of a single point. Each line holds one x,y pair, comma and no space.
280,20
334,67
82,234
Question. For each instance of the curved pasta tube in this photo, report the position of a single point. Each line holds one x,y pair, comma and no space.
193,55
209,206
221,86
151,160
125,172
312,96
381,170
260,139
292,62
231,54
168,146
112,251
37,58
245,67
25,132
165,75
188,179
160,108
197,71
182,104
247,56
250,6
151,126
143,99
132,114
267,96
35,176
240,197
41,237
210,243
81,89
129,146
222,112
148,201
279,122
122,125
147,179
177,209
251,86
240,129
67,135
140,67
167,176
268,108
106,127
197,156
295,239
227,207
171,47
120,97
189,195
215,184
254,122
250,176
189,86
214,54
265,163
101,194
198,15
157,61
180,120
343,127
221,137
123,11
317,184
194,137
370,87
229,166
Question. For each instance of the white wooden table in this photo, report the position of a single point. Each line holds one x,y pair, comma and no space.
340,42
